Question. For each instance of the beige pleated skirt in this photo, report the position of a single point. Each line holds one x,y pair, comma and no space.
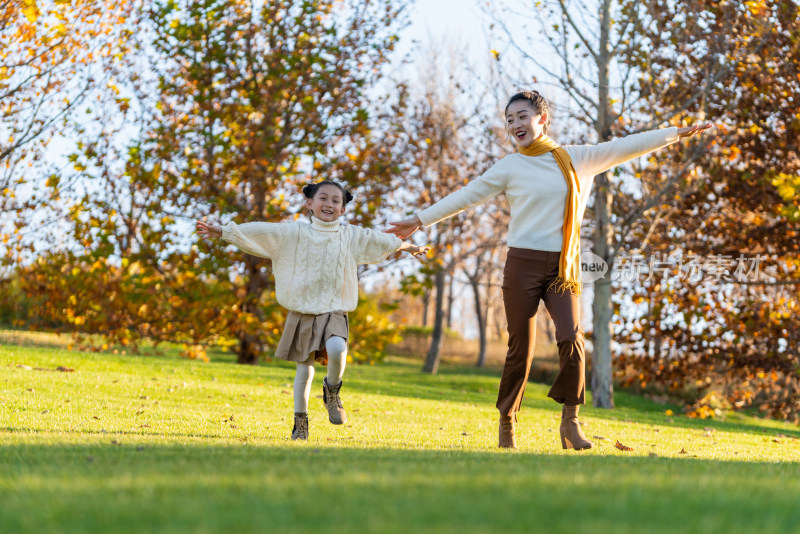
305,333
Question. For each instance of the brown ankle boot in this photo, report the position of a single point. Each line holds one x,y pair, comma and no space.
330,396
507,430
571,434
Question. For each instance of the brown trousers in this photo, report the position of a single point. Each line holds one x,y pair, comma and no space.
526,278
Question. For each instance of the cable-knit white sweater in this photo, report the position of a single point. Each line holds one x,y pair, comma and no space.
315,265
537,191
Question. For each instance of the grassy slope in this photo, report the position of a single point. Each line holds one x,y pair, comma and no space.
162,444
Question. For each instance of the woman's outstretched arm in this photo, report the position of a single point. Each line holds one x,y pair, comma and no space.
488,185
404,228
693,130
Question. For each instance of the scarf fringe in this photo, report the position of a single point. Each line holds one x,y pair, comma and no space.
561,285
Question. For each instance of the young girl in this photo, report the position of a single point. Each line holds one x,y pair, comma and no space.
316,280
547,187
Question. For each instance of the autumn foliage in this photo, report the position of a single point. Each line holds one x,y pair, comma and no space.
716,341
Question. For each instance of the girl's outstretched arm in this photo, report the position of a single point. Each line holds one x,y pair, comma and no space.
208,231
259,238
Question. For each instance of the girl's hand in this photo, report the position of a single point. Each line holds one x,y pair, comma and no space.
404,228
420,252
208,231
693,130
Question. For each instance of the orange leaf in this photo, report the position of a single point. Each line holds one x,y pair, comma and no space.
622,447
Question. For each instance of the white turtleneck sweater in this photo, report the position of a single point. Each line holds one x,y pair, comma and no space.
537,190
314,264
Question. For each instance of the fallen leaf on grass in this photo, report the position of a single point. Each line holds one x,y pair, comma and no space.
683,451
622,447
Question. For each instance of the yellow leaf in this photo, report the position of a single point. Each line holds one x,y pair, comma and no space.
30,11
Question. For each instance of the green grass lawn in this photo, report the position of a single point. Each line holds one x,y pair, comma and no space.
162,444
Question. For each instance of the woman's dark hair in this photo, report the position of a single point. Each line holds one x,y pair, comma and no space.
311,189
537,101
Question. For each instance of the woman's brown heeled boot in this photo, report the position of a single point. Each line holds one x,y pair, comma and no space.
572,436
508,431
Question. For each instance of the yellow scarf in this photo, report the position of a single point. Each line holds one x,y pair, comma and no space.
569,265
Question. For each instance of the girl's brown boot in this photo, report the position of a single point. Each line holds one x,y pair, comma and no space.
507,431
572,436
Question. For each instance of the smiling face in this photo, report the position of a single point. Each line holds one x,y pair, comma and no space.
327,204
524,122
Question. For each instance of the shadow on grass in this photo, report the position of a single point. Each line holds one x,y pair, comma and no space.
304,488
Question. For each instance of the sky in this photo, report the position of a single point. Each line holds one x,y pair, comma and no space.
460,19
443,22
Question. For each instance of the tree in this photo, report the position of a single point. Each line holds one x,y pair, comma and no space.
234,108
53,55
442,134
739,342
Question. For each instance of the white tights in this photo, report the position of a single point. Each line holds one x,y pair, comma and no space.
337,359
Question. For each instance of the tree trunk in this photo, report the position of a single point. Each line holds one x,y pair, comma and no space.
249,349
426,299
450,299
250,346
434,353
481,321
602,307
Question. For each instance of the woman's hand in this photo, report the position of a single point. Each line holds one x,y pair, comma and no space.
693,130
404,228
208,231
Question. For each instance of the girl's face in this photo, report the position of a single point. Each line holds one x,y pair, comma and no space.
327,204
524,122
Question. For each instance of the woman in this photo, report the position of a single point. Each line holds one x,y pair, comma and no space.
547,188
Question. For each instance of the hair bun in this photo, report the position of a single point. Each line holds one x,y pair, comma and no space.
308,190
